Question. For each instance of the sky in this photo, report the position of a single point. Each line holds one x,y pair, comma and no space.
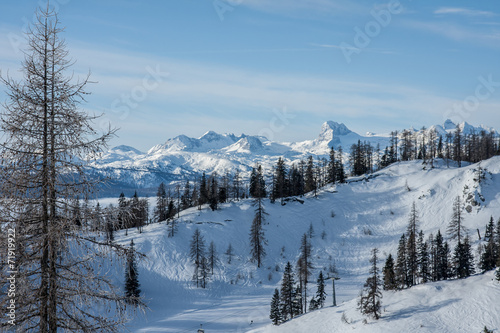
276,68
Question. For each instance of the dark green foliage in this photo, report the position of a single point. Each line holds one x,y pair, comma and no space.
389,275
423,259
257,184
275,314
287,293
304,266
160,211
490,253
369,301
320,292
463,260
132,286
401,269
411,247
310,180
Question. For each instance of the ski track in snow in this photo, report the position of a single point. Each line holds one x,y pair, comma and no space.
368,213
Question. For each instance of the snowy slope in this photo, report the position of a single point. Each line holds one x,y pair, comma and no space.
446,307
183,158
368,213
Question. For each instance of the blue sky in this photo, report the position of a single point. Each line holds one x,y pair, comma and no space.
277,68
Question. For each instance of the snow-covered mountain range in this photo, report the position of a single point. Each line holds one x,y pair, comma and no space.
182,157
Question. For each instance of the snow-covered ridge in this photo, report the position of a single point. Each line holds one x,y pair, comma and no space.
182,157
367,214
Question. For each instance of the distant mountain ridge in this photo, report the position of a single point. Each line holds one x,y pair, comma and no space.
183,157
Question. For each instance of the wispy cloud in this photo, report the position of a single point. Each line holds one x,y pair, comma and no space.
371,50
462,11
456,32
301,7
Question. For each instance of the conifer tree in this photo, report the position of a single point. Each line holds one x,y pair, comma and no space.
411,246
332,167
463,259
340,167
423,258
132,285
310,181
489,256
257,183
287,293
369,302
389,275
275,314
320,292
298,301
160,211
304,266
442,254
401,270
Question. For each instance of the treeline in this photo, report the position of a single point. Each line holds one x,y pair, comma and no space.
421,260
291,299
426,145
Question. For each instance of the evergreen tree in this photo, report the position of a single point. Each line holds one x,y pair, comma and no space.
411,246
160,211
203,198
369,302
423,258
389,275
401,270
298,301
442,254
332,167
310,181
257,184
340,167
132,285
197,255
320,292
304,266
280,188
287,293
275,314
489,256
463,259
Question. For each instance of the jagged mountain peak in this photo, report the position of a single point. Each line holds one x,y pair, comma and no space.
331,128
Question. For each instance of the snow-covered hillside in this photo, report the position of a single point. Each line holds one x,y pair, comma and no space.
354,218
183,158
